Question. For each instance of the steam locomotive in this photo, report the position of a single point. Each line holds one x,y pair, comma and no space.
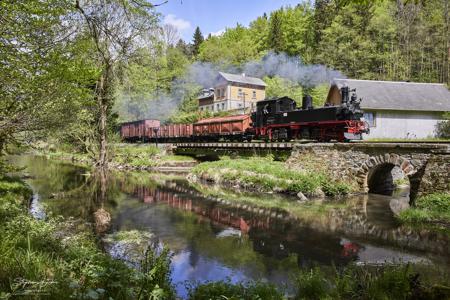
273,120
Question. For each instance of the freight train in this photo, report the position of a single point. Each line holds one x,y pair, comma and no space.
273,120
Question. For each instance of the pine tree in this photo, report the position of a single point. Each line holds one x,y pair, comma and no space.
183,47
276,42
198,39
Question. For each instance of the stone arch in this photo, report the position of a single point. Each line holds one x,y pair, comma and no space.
375,175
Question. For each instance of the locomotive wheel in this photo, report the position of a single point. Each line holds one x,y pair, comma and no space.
275,136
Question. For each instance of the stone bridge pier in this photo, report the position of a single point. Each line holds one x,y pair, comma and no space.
369,166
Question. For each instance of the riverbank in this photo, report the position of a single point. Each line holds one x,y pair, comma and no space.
58,259
431,210
267,175
130,157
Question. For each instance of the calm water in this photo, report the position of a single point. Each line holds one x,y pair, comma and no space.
216,234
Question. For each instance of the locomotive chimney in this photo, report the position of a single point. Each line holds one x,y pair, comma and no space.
345,94
307,102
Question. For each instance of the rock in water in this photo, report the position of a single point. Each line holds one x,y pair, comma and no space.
102,220
302,197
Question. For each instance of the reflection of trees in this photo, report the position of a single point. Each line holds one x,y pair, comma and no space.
70,190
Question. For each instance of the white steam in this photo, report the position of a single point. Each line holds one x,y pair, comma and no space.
205,75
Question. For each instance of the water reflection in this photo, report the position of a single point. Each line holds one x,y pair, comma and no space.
216,235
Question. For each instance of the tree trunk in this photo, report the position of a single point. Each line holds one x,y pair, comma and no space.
102,102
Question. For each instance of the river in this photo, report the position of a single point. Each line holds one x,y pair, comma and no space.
218,234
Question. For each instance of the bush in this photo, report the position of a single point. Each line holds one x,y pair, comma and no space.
443,127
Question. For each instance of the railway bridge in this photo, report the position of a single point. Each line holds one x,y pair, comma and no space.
367,165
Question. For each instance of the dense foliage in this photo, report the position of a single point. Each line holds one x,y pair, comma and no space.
385,40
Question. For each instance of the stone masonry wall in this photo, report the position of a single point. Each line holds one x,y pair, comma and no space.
436,176
427,166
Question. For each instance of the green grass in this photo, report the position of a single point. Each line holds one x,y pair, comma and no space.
371,282
267,175
222,290
351,282
430,209
51,260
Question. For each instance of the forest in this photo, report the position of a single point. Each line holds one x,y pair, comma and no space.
72,70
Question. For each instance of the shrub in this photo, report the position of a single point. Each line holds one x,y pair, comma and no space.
443,127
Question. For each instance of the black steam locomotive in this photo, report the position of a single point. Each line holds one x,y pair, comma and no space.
279,119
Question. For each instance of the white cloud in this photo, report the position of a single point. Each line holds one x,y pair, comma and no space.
178,23
218,33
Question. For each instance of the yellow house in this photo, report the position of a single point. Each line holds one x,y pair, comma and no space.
232,92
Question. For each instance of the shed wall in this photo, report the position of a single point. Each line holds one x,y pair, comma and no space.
403,124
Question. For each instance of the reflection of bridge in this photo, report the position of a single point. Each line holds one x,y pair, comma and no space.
275,232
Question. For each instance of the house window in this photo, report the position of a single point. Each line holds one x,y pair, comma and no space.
223,93
370,119
201,108
240,92
254,95
223,106
218,107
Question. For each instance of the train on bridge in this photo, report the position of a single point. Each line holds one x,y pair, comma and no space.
273,120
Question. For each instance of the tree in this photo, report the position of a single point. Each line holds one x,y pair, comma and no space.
170,35
43,79
117,28
275,39
198,40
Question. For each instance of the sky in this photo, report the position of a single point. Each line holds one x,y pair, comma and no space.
213,16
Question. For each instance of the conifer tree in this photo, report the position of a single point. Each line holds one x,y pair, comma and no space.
198,39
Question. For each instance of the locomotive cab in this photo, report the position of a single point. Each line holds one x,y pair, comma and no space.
269,111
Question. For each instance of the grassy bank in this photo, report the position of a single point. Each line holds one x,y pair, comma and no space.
266,175
54,259
433,209
127,156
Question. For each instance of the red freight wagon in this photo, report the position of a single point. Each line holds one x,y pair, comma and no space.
137,129
222,126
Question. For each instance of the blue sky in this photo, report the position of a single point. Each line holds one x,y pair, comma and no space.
213,16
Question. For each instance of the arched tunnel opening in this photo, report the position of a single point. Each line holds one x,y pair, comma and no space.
385,178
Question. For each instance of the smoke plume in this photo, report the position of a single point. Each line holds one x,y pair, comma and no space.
205,74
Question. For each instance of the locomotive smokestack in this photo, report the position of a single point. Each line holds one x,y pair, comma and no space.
345,94
307,102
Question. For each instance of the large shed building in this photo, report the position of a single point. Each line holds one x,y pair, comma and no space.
404,110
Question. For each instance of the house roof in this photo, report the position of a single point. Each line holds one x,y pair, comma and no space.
242,79
392,95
